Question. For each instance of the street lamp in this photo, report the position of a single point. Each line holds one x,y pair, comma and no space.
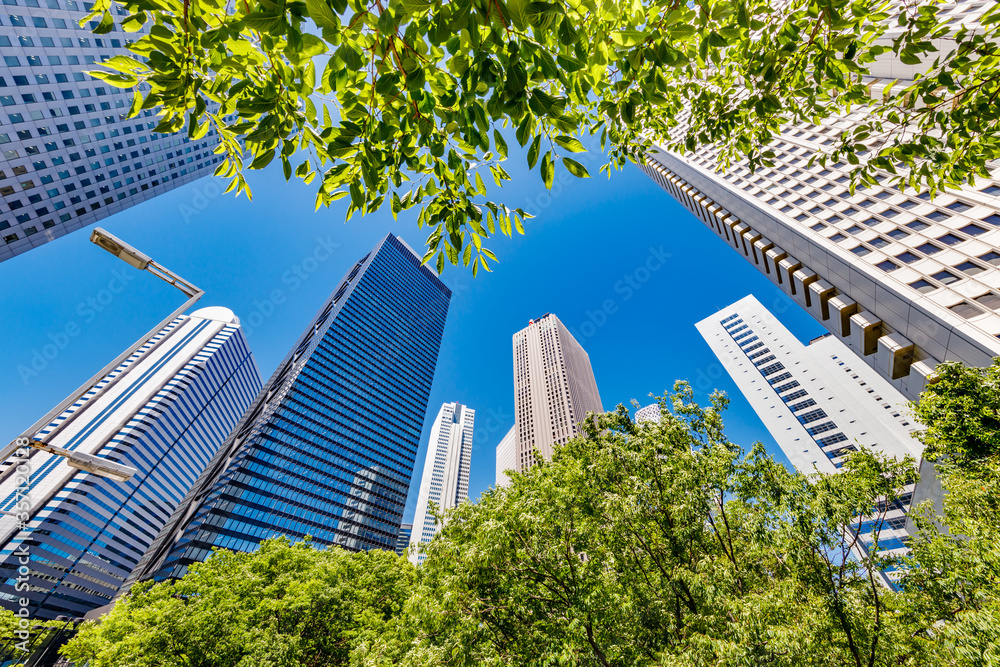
80,460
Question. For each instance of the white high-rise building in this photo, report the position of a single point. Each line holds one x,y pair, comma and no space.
905,280
554,388
819,402
650,413
71,156
506,456
164,411
445,480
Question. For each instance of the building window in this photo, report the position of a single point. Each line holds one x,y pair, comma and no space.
966,310
945,277
923,286
970,268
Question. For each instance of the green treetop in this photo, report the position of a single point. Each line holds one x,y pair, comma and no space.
411,103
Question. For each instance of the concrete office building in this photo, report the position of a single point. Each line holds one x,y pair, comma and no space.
906,281
165,411
327,448
506,456
650,413
71,156
554,388
445,480
819,402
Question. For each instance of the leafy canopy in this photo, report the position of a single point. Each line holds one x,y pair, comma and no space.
413,103
652,544
958,574
962,413
659,544
285,605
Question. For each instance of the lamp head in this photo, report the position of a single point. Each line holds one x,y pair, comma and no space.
119,248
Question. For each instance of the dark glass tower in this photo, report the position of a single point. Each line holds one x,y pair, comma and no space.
328,447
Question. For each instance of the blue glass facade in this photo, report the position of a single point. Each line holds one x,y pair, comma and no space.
328,448
165,411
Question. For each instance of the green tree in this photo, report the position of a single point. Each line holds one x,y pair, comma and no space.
413,102
955,576
652,544
283,605
14,634
661,544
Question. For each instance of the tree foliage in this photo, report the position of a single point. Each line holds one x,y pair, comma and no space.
956,576
659,544
962,413
413,103
282,606
652,544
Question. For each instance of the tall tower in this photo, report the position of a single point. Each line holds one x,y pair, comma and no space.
445,480
71,155
506,456
905,280
164,411
819,402
327,448
554,388
403,540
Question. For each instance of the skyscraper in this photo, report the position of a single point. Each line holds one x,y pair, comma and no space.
403,540
327,448
649,413
70,154
820,402
445,480
905,280
506,456
554,388
164,411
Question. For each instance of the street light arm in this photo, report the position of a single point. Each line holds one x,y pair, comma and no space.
141,261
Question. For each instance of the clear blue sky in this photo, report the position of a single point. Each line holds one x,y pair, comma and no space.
583,258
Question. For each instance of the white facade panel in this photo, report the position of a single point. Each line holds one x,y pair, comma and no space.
445,480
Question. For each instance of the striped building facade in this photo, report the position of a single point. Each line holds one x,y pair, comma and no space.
165,411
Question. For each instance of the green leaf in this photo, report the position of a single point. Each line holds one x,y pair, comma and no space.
628,38
575,168
548,170
518,10
106,25
312,46
263,159
116,80
499,142
571,144
533,151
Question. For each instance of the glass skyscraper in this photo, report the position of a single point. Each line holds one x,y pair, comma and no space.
328,447
71,156
165,411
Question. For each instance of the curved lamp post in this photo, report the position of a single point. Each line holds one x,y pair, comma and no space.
90,462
